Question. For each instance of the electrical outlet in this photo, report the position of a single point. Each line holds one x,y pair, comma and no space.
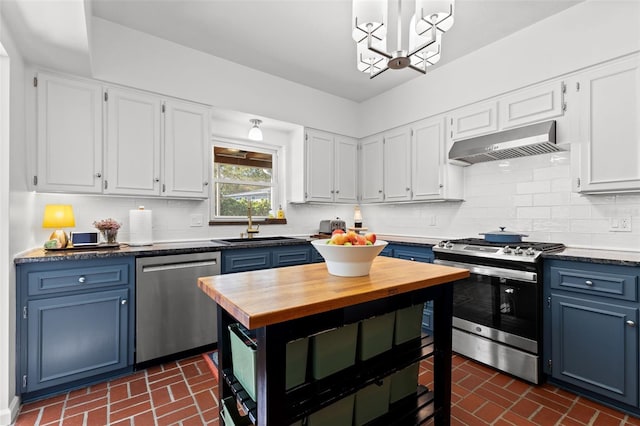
196,220
620,224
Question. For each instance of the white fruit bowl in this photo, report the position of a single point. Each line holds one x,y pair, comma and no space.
348,261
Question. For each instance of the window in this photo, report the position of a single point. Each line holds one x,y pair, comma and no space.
242,175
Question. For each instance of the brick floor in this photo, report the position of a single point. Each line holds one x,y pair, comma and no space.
185,393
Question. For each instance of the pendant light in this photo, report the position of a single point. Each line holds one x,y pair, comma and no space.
412,29
255,134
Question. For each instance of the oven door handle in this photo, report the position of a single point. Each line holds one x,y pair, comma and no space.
492,271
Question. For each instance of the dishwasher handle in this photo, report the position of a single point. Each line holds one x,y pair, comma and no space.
178,265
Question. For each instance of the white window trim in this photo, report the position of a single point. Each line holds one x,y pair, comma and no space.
274,150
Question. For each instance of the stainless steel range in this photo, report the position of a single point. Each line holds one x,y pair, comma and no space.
497,311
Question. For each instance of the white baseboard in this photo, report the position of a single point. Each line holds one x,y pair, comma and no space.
8,415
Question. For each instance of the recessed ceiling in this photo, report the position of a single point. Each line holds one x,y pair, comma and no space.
309,41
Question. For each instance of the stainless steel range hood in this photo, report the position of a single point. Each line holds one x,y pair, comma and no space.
520,142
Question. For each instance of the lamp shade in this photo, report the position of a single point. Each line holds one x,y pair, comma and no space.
367,12
368,58
438,12
58,216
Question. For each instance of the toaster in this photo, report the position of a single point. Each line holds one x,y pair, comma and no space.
328,226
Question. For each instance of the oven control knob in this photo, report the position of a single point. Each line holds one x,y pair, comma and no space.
530,251
517,250
448,245
506,250
441,244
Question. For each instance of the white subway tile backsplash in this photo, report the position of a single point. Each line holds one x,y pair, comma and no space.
553,225
524,200
561,185
534,212
551,199
533,187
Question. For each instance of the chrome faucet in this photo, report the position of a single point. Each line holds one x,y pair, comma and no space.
250,229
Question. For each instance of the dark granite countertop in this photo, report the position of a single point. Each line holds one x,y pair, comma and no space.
159,249
607,257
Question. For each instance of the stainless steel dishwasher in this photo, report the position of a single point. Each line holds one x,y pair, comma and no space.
172,313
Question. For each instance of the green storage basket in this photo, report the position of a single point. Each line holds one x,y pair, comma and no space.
339,413
404,382
408,324
372,402
231,415
333,350
375,335
296,368
244,357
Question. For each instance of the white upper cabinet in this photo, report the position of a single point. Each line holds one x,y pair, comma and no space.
346,172
320,166
186,157
397,164
432,177
133,143
539,103
331,167
474,120
69,135
145,152
609,159
371,169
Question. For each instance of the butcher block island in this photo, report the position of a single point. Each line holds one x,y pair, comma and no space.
333,350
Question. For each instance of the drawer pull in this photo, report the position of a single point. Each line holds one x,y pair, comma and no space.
588,282
631,323
82,280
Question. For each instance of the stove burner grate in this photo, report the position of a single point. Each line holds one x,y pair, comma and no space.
543,247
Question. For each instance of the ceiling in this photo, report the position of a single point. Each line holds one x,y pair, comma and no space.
309,41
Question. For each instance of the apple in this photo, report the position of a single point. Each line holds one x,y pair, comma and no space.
337,231
360,240
339,238
371,237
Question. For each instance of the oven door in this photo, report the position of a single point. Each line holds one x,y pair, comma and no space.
499,304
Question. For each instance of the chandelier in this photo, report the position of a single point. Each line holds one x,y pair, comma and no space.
418,24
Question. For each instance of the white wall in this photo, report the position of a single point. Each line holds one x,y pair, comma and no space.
13,207
132,58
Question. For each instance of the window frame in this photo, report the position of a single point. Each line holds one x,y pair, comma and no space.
274,150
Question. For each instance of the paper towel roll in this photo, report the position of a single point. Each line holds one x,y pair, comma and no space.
140,224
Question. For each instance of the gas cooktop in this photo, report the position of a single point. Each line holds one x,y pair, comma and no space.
528,251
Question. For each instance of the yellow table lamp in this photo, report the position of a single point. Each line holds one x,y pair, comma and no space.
58,216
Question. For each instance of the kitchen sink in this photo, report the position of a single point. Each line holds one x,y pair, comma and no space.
257,240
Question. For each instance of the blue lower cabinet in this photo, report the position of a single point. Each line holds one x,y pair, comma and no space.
243,260
75,337
291,255
427,317
595,346
75,329
416,254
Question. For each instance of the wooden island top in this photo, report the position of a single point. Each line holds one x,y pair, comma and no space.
270,296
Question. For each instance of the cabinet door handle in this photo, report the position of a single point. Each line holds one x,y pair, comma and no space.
156,179
98,175
205,183
588,282
412,259
82,280
123,302
337,191
631,323
379,191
